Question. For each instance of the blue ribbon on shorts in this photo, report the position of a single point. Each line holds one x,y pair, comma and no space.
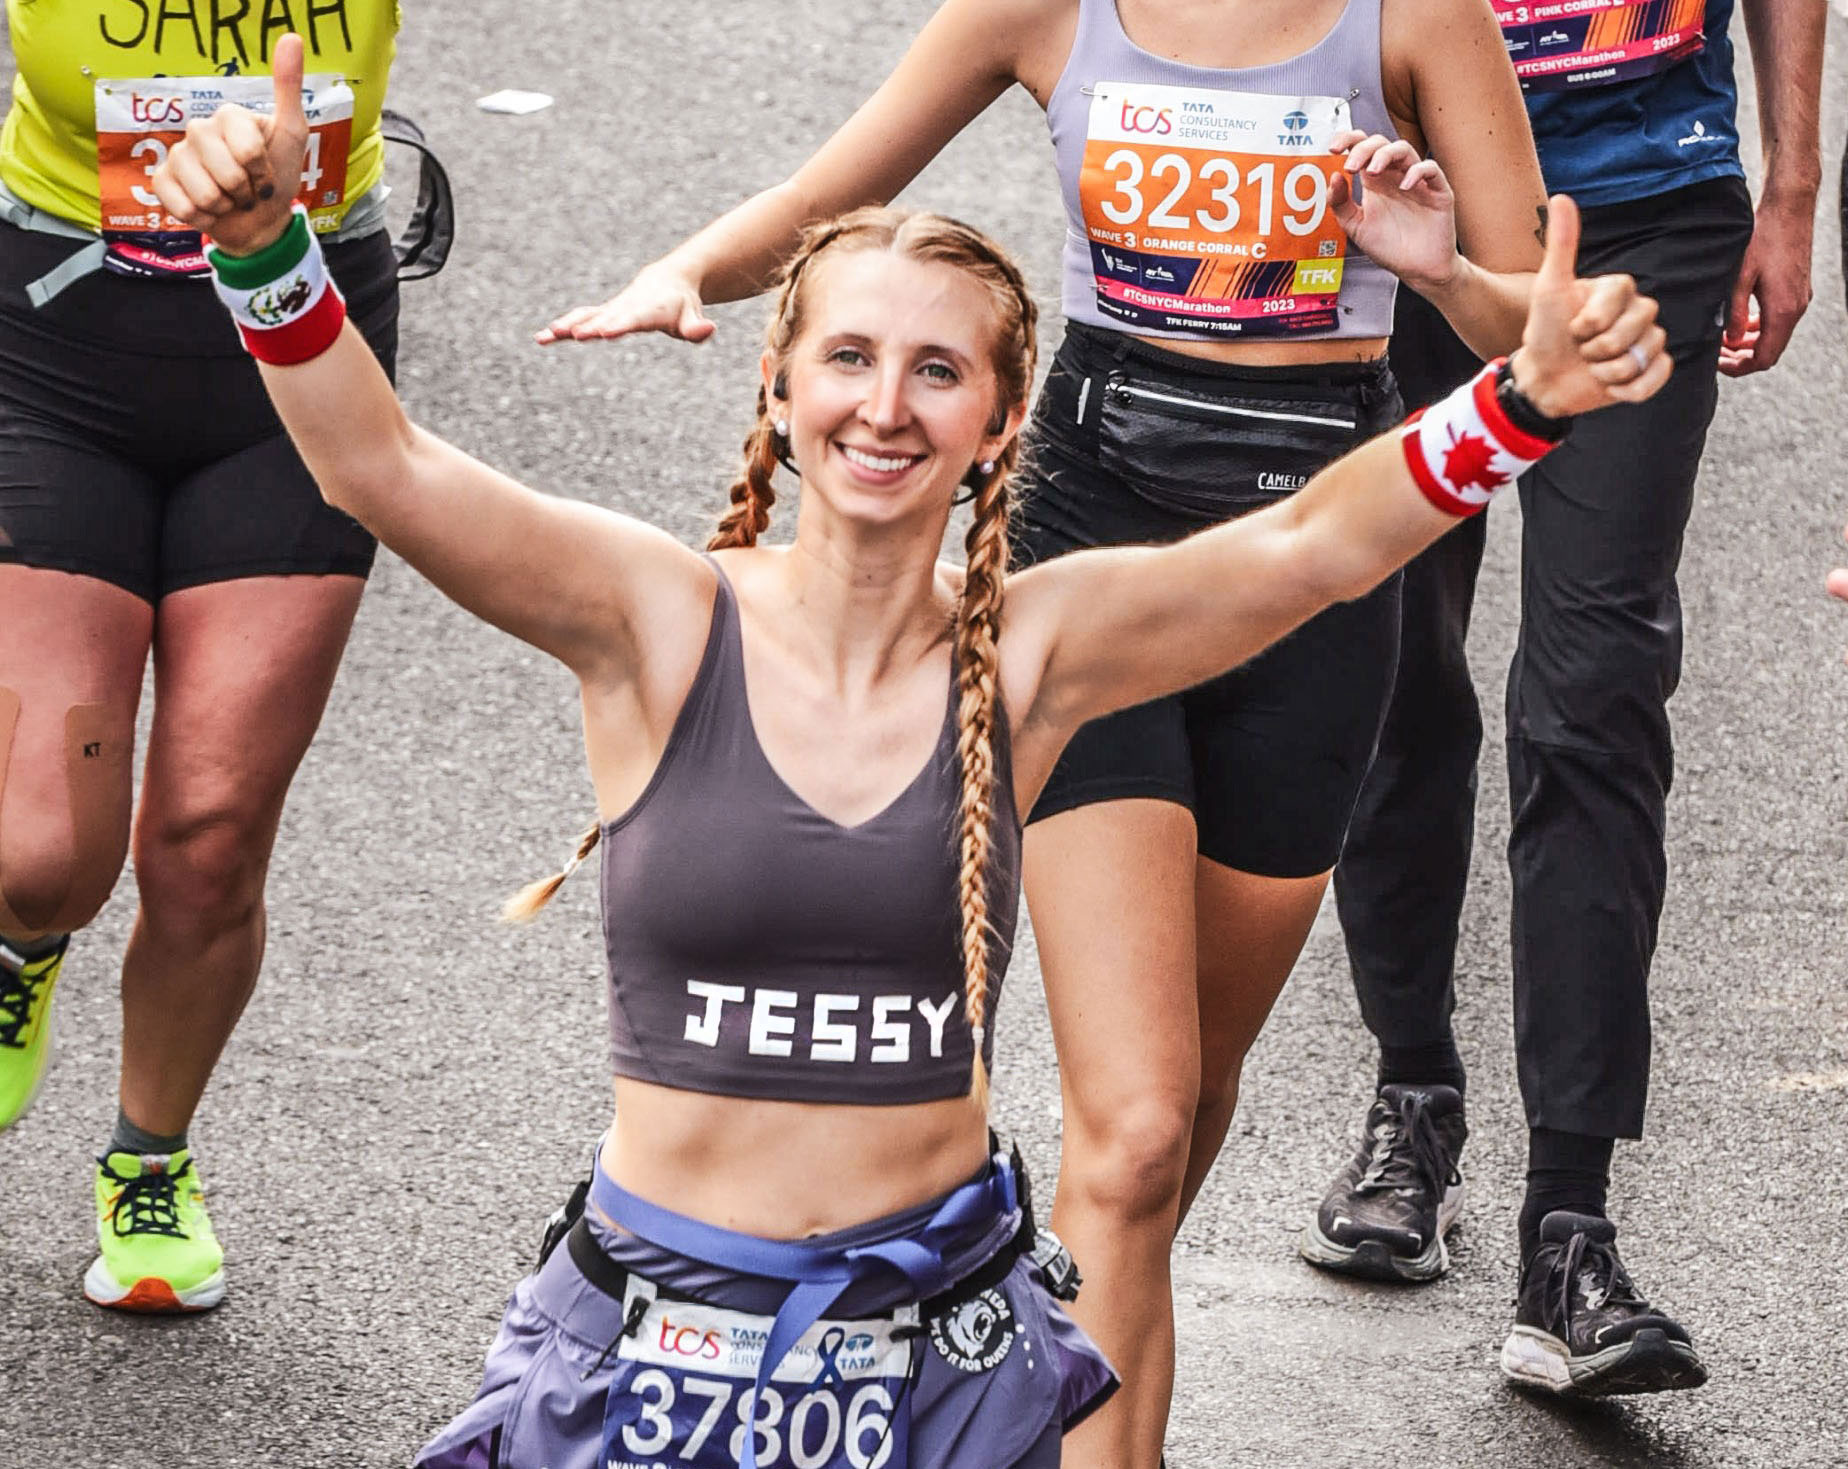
820,1276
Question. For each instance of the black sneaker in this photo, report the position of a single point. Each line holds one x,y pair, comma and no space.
1387,1212
1581,1327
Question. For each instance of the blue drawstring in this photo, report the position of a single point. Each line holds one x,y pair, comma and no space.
820,1275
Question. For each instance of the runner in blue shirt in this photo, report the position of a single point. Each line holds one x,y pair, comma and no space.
1633,110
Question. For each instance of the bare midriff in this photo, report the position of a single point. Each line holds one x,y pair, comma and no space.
1274,353
787,1170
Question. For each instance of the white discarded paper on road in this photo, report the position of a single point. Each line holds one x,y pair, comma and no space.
515,102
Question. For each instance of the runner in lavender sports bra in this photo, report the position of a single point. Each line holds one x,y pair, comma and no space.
764,1272
1227,306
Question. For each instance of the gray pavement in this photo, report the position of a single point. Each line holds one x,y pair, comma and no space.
415,1086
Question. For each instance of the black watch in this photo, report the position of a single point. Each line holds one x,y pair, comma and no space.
1521,410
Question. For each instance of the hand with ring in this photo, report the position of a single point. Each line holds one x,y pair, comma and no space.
1588,343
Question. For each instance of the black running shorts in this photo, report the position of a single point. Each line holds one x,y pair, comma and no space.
136,442
1131,444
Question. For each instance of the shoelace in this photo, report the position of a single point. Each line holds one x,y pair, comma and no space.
1407,1152
151,1202
18,994
1598,1260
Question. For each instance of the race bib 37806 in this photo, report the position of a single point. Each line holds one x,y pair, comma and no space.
1207,211
139,119
1563,45
687,1396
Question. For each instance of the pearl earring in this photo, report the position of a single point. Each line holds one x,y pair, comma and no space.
782,428
987,466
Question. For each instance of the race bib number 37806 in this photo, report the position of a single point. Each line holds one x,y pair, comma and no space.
1565,45
838,1400
139,120
1208,211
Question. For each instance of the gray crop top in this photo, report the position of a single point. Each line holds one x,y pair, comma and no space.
1196,197
758,949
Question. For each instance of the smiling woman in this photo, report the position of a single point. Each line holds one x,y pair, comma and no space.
810,763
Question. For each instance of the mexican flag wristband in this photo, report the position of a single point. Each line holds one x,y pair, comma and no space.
1464,448
286,308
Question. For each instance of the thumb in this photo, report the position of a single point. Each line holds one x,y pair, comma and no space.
1739,306
286,71
1341,200
694,325
1560,267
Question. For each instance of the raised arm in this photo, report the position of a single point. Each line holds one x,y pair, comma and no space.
575,581
1458,103
1103,630
966,56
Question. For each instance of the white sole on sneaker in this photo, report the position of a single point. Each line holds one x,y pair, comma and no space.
150,1294
1650,1361
1372,1260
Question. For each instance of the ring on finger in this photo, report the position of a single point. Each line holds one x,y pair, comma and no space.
1639,357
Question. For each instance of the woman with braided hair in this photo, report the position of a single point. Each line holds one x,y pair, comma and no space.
811,762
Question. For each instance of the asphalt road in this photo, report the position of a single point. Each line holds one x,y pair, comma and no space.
415,1085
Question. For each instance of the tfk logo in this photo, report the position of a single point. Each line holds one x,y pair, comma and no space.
1296,133
1147,119
156,110
689,1341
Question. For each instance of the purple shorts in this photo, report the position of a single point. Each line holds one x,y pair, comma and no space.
982,1397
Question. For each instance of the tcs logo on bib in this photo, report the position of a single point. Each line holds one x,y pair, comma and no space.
689,1341
1159,121
156,110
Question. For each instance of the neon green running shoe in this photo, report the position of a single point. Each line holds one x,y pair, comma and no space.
25,1026
158,1249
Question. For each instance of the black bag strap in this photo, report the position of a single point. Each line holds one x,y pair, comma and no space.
423,247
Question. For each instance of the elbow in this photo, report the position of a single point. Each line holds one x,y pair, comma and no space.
358,481
1333,569
1346,583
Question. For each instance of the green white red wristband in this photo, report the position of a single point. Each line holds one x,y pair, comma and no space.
286,307
1464,448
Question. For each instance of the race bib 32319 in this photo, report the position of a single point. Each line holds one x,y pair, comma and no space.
1207,211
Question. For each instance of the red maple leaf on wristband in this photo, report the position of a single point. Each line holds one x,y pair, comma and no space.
1471,461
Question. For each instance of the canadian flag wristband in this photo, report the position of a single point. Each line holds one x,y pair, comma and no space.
286,307
1464,448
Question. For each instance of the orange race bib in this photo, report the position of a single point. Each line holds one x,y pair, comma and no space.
1208,211
1563,45
139,120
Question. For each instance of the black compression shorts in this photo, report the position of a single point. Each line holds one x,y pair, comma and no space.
136,442
1131,444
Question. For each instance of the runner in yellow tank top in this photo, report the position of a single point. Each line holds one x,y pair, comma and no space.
67,52
150,502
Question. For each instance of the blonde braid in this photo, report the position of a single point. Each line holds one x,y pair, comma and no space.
524,906
753,492
978,630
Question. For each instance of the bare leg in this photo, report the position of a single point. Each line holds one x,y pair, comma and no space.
1111,888
242,672
1250,931
66,642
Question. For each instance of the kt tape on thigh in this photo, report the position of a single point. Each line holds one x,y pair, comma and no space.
10,922
96,768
